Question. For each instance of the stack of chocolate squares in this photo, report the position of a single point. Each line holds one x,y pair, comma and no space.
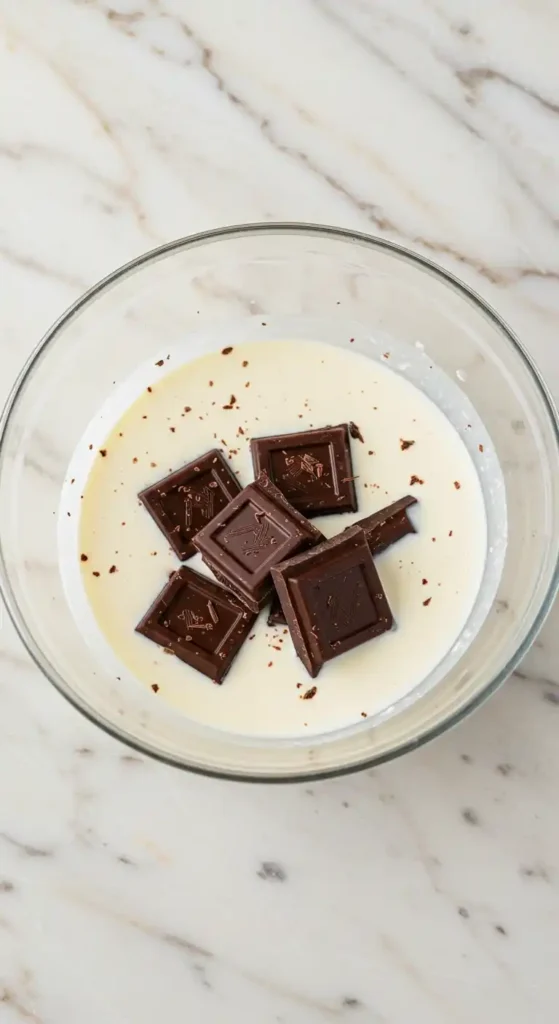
262,548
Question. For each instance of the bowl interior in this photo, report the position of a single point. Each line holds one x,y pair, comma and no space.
288,274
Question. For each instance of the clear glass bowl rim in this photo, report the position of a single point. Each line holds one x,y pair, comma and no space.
221,234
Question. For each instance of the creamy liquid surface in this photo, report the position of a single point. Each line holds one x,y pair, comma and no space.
431,578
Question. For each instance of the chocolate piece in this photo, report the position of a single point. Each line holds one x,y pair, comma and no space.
199,621
188,499
258,529
312,468
332,598
388,525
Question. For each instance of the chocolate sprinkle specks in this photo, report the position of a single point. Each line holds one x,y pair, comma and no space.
404,445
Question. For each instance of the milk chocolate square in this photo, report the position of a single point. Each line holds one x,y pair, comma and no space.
199,621
187,500
332,598
312,468
258,529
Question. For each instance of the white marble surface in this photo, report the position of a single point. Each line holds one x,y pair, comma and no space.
425,891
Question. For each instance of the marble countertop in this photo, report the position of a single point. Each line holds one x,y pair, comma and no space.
427,890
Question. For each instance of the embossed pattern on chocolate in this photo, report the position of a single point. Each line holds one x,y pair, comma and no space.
187,500
199,621
258,529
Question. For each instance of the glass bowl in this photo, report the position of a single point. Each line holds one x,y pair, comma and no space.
292,274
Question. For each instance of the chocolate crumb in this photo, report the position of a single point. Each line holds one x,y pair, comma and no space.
172,429
480,448
211,383
457,485
160,362
188,408
83,558
96,574
134,459
404,445
355,432
240,430
363,714
155,687
415,480
427,601
424,582
351,340
245,362
150,391
227,351
91,447
73,480
309,694
299,686
370,453
270,663
153,465
386,355
450,532
247,385
113,568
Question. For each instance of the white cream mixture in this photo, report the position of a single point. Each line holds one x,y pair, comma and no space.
431,578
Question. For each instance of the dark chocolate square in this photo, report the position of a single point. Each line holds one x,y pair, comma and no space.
199,621
258,529
312,468
187,500
388,525
332,598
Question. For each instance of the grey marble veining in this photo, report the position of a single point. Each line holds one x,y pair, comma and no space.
428,889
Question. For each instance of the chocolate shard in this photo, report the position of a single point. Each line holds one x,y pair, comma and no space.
275,615
199,621
388,525
312,468
188,499
257,529
332,598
